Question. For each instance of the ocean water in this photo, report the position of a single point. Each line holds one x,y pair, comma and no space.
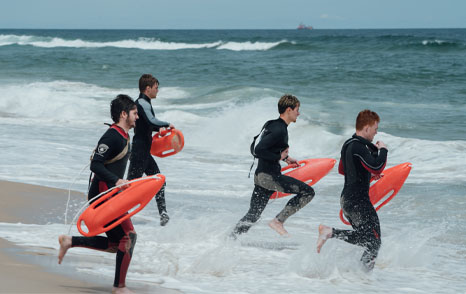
219,87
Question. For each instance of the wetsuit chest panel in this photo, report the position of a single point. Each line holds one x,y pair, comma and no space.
146,124
357,177
355,173
272,142
360,159
110,145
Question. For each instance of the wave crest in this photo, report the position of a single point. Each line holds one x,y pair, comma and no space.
139,43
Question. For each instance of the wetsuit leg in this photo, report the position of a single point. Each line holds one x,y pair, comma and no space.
137,163
141,163
365,222
259,199
125,237
151,169
304,192
286,184
121,240
97,243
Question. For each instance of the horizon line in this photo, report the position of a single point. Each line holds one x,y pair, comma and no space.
231,29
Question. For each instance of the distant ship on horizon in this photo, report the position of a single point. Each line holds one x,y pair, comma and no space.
304,27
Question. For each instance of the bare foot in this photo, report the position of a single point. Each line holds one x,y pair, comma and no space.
65,244
122,290
278,227
324,233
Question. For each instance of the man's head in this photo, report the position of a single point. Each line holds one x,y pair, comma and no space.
367,124
288,107
148,85
124,110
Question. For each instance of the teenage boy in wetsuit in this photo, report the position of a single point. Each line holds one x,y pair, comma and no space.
273,147
108,165
141,161
360,161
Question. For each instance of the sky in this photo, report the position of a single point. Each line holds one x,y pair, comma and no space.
237,14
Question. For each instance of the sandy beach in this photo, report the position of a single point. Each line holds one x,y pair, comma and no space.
35,270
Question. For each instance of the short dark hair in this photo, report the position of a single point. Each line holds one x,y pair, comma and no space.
119,104
286,101
366,118
147,80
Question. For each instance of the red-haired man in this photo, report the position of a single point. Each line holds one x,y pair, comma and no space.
360,161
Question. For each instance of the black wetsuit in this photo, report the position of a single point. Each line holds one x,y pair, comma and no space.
359,159
141,161
122,238
268,177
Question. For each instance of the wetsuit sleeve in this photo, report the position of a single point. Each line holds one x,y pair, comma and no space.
373,164
264,148
107,148
148,116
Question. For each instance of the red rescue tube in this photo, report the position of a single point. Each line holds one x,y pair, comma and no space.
167,142
310,171
391,182
113,208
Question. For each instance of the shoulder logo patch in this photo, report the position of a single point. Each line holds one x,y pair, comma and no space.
102,149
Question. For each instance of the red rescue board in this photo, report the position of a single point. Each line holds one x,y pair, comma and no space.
391,182
119,204
310,171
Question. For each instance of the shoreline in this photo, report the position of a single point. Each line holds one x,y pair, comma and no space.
35,269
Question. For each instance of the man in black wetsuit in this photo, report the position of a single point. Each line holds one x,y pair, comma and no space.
108,165
360,161
273,147
141,161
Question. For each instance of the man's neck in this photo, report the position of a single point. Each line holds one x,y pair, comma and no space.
361,134
145,94
123,126
283,116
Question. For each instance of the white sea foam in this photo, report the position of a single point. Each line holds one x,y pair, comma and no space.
250,46
434,42
139,43
68,101
57,100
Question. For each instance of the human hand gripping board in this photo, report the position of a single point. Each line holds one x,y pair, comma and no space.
167,142
309,171
391,182
118,204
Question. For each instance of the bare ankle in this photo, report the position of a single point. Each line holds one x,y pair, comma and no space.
65,244
277,225
325,233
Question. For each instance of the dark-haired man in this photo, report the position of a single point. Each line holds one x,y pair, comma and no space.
141,161
268,179
108,165
360,161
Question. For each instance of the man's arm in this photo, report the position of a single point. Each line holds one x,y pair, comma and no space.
374,165
105,151
149,117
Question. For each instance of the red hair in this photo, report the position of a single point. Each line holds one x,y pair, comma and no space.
366,118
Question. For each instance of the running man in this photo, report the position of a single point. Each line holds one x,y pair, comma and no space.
360,161
141,161
108,165
273,147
